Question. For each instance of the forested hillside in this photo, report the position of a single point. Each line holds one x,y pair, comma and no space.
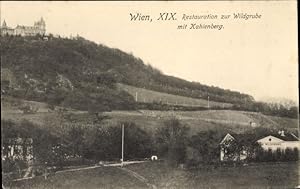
81,74
89,66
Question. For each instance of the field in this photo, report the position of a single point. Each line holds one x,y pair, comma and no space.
149,96
237,121
160,175
280,175
103,177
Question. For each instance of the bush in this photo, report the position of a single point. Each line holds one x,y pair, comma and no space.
171,141
28,109
276,156
105,143
204,147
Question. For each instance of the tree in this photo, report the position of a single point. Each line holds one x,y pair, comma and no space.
75,139
206,146
278,155
270,156
255,152
106,79
289,155
42,139
171,140
138,143
103,143
296,154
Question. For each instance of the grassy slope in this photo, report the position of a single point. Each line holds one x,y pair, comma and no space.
149,96
263,176
47,63
104,177
237,121
282,175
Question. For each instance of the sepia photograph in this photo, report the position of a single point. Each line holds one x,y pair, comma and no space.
149,95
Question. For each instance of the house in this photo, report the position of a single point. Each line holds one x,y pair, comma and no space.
18,149
281,141
230,150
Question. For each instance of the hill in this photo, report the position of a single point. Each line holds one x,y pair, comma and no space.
148,120
150,96
79,73
96,136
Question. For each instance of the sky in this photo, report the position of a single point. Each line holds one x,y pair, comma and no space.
255,56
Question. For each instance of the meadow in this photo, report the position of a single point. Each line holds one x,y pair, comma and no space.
255,176
236,121
102,177
159,174
150,96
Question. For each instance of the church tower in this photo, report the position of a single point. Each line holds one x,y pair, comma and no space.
40,26
4,25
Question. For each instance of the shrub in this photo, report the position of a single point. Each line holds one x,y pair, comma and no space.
171,141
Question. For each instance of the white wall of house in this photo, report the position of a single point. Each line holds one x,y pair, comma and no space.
291,144
17,152
18,149
222,154
274,143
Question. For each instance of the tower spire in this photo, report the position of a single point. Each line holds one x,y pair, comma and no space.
4,24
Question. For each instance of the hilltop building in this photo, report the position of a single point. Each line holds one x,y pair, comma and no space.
39,27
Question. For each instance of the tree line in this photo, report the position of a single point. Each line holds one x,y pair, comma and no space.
93,65
173,142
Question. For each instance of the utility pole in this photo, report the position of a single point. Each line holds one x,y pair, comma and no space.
207,101
136,96
122,160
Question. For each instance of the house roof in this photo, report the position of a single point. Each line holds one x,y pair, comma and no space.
239,137
286,137
227,137
25,27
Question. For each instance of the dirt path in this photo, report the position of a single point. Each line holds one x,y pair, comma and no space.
86,168
117,165
139,177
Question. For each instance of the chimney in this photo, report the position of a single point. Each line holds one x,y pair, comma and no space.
281,133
